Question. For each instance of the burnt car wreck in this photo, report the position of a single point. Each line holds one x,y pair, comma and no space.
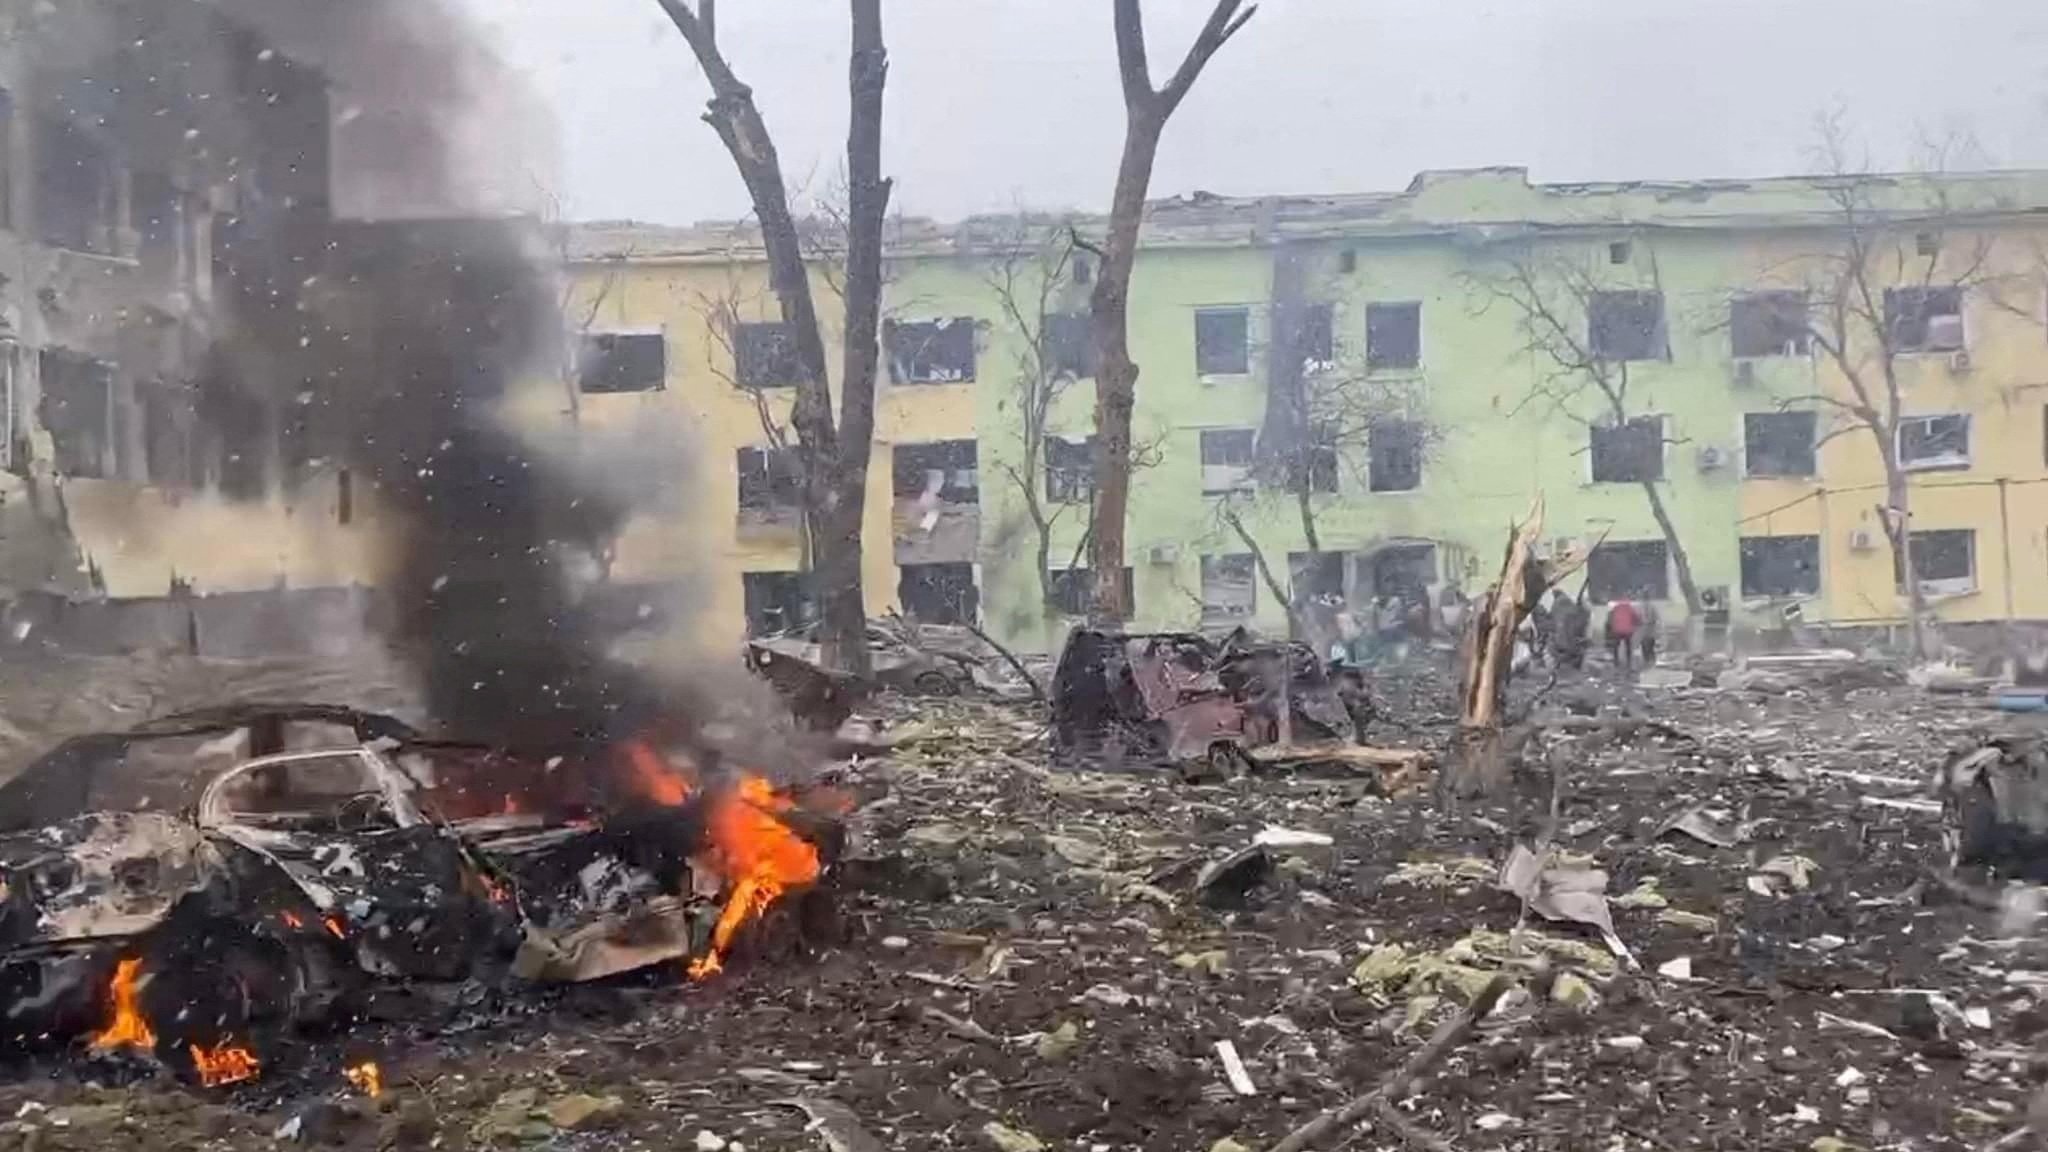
1186,699
199,887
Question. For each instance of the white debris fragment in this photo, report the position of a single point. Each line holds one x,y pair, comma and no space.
1978,1017
1273,836
1233,1068
1494,1121
895,943
709,1141
1625,1043
1850,1076
1679,969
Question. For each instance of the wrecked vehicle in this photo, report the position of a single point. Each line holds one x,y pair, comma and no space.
1185,698
1995,805
897,658
197,900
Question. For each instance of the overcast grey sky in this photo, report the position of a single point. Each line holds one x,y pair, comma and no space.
993,103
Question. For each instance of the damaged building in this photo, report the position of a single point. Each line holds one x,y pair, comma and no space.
1347,378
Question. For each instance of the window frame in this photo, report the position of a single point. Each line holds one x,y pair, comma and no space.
1762,298
1375,458
1748,547
1894,314
1812,457
950,492
1068,583
1240,476
1076,482
1594,433
1947,463
1240,363
584,371
751,369
1213,610
1612,547
772,482
1373,365
903,369
1659,336
1940,585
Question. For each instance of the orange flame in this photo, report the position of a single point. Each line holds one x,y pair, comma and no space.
758,854
126,1026
333,925
224,1063
655,778
292,919
367,1078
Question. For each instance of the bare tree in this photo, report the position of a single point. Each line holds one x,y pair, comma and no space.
1029,271
1582,353
832,455
1146,111
1888,283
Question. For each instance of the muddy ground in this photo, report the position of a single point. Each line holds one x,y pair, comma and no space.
1023,962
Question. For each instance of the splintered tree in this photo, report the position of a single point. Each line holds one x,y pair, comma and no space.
1146,110
1583,333
1031,273
1889,286
832,455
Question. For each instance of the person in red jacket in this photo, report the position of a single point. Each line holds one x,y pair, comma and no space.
1622,622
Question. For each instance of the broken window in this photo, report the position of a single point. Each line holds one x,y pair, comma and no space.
1929,442
154,211
1404,570
1394,455
1073,591
1620,252
76,188
77,411
1230,586
1924,319
1629,453
1627,570
323,792
1769,324
1316,576
1944,559
1069,470
1227,460
1779,566
776,602
930,351
946,470
769,478
623,362
1069,345
939,593
1223,341
1316,337
1393,336
1627,326
764,355
1778,443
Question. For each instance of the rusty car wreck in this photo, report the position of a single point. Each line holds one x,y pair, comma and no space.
265,867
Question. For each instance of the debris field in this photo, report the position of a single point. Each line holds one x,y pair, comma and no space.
1033,953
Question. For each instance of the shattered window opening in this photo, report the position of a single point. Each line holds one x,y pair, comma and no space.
1934,442
1230,586
930,351
1780,566
764,355
623,362
1069,345
1771,323
336,792
1073,592
1779,443
1627,326
1393,336
1316,577
1227,455
1944,561
775,601
1223,341
1924,319
1628,569
1316,337
1069,470
769,478
77,186
947,469
939,593
1628,453
1394,455
77,411
1315,463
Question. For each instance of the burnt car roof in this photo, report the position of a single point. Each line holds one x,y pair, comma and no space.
63,782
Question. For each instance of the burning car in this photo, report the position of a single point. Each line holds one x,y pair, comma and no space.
221,877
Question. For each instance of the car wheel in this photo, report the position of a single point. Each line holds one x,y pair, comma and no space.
935,684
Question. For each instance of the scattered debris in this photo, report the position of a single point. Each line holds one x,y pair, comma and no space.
1233,1068
1693,821
1008,1139
1578,895
837,1124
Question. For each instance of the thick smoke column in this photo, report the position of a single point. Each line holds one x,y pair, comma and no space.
375,310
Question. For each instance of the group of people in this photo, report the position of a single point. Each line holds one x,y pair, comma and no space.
1389,625
1558,634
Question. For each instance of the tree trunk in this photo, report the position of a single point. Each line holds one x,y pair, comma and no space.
1479,759
1116,376
1680,560
1273,584
1897,519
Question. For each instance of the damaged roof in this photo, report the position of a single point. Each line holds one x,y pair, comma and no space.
1486,203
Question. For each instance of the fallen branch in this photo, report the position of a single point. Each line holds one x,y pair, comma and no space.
1010,658
1449,1035
836,1123
965,1029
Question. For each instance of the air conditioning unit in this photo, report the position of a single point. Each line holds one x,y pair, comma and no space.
1745,373
1712,457
1860,540
1164,555
1959,360
1714,598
